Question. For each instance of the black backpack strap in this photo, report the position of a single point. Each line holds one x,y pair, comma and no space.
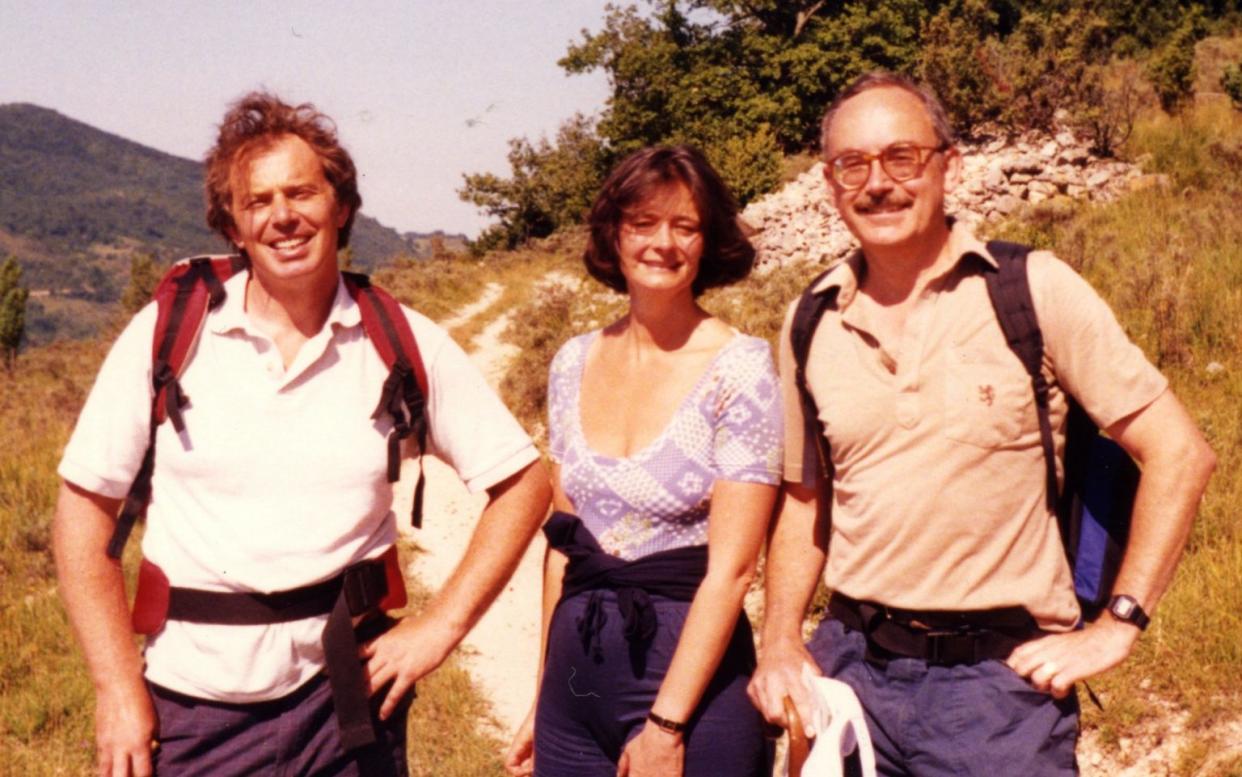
1009,289
810,309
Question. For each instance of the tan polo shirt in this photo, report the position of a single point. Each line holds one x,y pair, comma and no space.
938,484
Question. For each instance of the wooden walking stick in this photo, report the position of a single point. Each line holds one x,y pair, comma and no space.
799,746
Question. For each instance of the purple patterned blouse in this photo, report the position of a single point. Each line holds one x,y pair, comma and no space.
727,428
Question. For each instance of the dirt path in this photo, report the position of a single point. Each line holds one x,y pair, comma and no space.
503,649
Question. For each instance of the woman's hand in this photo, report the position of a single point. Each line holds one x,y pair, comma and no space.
653,753
520,757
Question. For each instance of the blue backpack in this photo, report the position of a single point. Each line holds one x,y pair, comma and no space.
1093,509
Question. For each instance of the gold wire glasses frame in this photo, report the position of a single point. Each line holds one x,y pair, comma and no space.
901,162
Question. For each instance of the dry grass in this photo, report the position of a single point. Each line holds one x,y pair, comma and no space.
46,698
1169,261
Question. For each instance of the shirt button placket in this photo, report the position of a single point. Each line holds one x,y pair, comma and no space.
912,337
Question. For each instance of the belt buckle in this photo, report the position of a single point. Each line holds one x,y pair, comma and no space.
948,647
364,586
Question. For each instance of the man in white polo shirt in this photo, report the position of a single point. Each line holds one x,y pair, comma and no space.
277,483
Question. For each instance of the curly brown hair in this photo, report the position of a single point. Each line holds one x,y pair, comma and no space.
255,121
727,255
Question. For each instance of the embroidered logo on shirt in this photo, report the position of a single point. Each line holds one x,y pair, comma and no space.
987,394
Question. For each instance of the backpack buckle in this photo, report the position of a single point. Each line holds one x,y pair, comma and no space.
364,586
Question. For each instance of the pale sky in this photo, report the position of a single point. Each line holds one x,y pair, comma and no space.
422,91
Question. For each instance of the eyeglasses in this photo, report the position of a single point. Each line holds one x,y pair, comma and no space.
901,162
644,228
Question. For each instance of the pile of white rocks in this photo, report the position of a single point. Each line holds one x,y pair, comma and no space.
799,223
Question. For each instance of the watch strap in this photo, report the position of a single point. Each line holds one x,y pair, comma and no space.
1126,609
666,725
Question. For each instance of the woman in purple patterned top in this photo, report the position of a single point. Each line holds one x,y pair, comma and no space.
665,434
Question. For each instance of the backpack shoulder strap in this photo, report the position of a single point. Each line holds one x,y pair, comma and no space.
807,314
1009,289
404,397
183,297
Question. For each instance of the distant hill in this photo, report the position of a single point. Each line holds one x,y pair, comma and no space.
77,202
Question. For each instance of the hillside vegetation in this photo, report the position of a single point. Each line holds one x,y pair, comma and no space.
748,81
77,204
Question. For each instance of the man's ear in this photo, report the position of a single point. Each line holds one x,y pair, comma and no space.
231,231
343,212
952,168
834,191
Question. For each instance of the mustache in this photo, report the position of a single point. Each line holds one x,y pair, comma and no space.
867,202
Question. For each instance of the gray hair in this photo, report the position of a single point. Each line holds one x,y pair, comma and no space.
877,79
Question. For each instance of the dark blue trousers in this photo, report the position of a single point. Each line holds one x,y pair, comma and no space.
590,706
295,736
970,720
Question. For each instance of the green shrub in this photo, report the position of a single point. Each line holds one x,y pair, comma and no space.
960,62
1231,83
750,166
1172,68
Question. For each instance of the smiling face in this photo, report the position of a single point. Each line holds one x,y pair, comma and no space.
285,213
661,242
883,213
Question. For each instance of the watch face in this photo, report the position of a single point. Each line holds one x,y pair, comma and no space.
1123,607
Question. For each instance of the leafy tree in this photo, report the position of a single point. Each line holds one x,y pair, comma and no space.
13,298
1231,82
961,61
552,185
1053,62
144,275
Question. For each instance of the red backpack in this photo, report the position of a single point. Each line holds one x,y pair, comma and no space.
191,288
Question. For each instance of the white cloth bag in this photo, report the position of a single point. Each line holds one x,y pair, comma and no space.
840,728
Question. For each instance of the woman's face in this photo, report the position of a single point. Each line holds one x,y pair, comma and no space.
660,242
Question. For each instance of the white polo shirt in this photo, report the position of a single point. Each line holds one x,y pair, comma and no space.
279,479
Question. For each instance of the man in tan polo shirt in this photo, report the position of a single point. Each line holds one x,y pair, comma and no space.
935,517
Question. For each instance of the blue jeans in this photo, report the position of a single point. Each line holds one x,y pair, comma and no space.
969,720
295,735
589,709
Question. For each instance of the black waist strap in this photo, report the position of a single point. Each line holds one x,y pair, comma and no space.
356,591
671,574
940,637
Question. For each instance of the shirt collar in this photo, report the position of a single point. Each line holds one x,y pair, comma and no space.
231,315
847,276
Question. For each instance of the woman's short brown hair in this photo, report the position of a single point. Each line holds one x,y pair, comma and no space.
727,255
258,119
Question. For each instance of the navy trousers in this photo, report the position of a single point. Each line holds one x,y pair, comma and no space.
592,702
295,736
970,720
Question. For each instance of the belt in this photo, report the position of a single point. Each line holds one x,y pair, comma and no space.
939,637
360,590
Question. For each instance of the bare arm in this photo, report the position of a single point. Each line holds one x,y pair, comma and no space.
93,589
520,757
739,517
421,642
1176,463
797,549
